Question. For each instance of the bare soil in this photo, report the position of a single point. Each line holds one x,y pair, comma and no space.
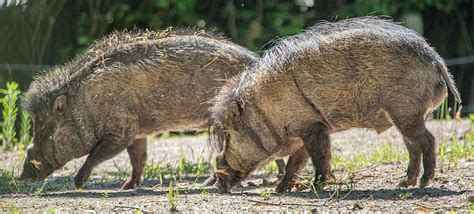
374,188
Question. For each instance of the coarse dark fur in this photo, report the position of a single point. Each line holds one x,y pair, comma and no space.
364,72
123,87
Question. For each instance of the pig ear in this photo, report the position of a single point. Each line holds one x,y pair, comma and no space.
59,104
234,109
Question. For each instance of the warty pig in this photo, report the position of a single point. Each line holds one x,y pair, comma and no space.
363,72
123,87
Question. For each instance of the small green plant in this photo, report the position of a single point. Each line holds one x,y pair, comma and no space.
204,193
8,182
9,112
265,195
13,209
137,211
51,209
153,172
384,153
181,166
173,197
306,182
270,168
40,190
453,211
341,184
105,194
452,151
121,172
405,195
25,127
200,169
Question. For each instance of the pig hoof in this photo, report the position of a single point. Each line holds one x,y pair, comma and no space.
224,191
280,177
407,183
79,182
130,185
282,188
424,182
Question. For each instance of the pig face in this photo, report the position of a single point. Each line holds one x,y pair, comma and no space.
233,166
54,133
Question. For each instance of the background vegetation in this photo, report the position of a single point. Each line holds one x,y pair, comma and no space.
50,32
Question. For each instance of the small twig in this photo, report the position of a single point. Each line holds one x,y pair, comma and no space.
365,169
264,202
130,207
283,204
212,61
423,206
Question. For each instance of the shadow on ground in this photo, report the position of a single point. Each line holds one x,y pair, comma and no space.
381,194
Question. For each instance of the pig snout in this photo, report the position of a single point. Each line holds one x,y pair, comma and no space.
28,173
35,170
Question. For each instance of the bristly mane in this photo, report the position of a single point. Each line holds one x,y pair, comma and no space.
218,111
55,82
281,56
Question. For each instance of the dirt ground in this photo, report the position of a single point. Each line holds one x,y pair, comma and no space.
373,188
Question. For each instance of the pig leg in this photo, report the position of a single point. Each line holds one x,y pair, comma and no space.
317,144
295,164
111,145
281,168
414,153
137,154
418,139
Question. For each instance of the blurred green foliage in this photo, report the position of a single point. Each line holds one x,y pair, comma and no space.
51,32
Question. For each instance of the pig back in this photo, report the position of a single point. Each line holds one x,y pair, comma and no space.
168,82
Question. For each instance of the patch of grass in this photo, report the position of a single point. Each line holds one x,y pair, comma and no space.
38,191
173,197
25,128
384,153
106,194
306,182
181,166
201,166
204,193
452,151
121,173
453,211
405,195
270,168
9,183
387,153
341,184
51,209
13,209
265,195
181,170
153,172
9,113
